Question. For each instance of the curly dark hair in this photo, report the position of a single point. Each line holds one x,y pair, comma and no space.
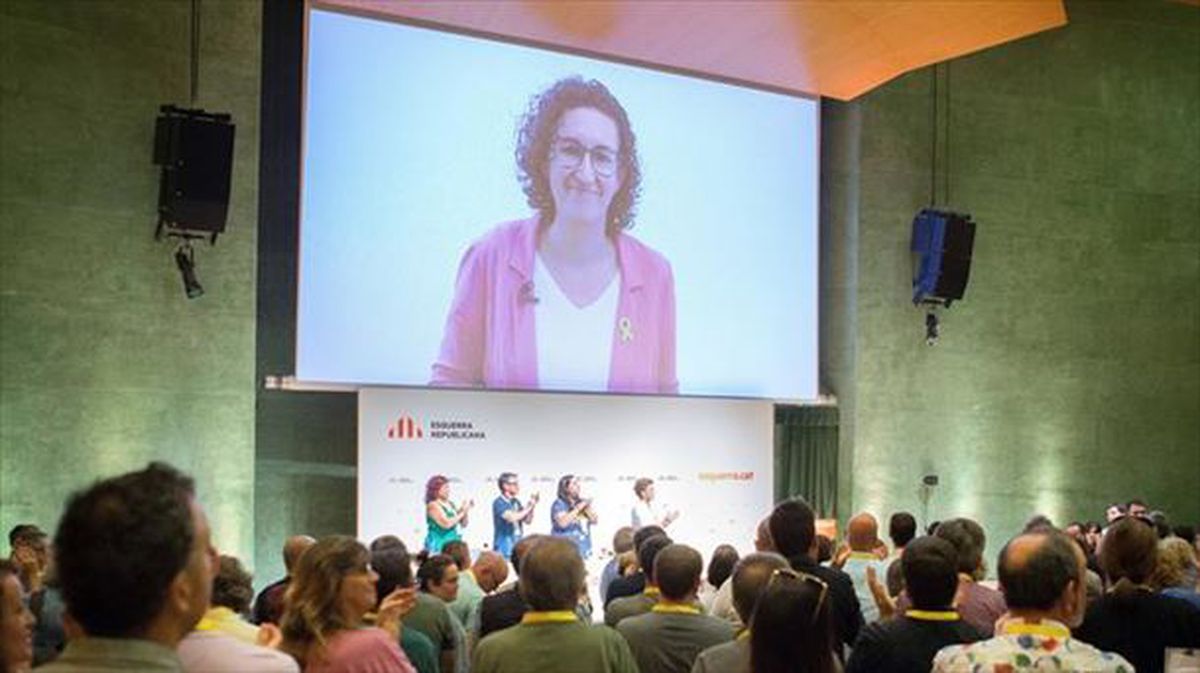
536,130
232,587
119,546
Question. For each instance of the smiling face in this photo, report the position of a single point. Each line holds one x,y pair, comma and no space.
584,171
16,626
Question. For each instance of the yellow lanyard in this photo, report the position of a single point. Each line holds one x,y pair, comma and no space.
933,615
549,617
675,609
743,635
864,556
652,592
1047,629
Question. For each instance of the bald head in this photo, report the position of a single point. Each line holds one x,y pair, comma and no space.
863,532
293,548
750,577
490,570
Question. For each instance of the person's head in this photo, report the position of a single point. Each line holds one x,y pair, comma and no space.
391,562
720,566
623,540
762,536
750,577
902,528
627,563
32,538
793,528
1176,565
1137,507
968,540
1038,522
332,587
438,576
521,548
1161,524
1043,573
933,526
648,551
16,621
677,572
863,533
508,484
552,575
437,488
232,587
460,552
145,536
490,570
643,488
824,549
1129,550
1075,529
568,488
790,629
645,533
293,547
930,568
577,155
1115,511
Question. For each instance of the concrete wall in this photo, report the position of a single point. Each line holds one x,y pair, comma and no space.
104,364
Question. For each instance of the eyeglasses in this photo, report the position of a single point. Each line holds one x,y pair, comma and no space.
803,577
569,153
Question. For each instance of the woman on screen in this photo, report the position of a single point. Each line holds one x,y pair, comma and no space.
572,516
566,299
442,517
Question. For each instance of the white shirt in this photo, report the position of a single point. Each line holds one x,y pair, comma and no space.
574,345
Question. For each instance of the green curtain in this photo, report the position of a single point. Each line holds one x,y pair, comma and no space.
806,456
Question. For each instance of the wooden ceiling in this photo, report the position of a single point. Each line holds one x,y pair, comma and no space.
835,48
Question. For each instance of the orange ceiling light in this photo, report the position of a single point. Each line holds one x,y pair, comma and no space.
835,48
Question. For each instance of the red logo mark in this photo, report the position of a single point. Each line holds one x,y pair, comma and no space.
405,427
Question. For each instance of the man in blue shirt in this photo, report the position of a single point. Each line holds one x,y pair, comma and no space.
508,516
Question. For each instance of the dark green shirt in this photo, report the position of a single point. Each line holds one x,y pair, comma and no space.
420,650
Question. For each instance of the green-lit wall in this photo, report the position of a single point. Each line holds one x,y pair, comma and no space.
104,364
1070,374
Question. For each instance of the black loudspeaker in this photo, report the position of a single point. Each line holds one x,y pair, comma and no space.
195,150
944,241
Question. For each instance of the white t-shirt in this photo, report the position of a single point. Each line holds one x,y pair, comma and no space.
574,345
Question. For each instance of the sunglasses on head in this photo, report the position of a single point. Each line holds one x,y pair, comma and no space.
790,575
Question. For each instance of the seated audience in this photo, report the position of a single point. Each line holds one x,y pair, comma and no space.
720,567
506,608
668,639
793,530
750,577
978,605
268,607
791,630
391,561
332,589
634,584
16,622
863,539
432,615
902,528
622,542
629,606
489,572
908,643
1131,618
1041,574
550,637
136,565
722,605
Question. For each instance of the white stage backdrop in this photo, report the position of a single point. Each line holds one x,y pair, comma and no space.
710,458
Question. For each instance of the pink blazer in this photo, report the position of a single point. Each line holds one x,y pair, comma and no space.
490,342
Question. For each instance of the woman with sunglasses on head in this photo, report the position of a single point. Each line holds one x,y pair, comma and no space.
566,299
791,630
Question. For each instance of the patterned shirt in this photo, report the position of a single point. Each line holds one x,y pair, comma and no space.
1024,646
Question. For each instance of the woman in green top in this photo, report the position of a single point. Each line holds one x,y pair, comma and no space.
442,517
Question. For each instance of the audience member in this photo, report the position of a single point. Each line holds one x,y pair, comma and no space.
46,604
231,594
1137,508
506,608
793,529
268,607
438,576
722,605
902,528
1175,572
629,606
668,639
863,539
750,577
632,585
332,589
978,605
550,637
29,554
791,629
720,567
460,552
136,566
825,551
908,643
391,561
16,622
489,572
1115,511
1042,577
622,542
1132,619
437,579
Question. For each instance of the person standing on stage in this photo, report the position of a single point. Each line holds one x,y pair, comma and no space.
442,517
645,512
508,516
572,517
